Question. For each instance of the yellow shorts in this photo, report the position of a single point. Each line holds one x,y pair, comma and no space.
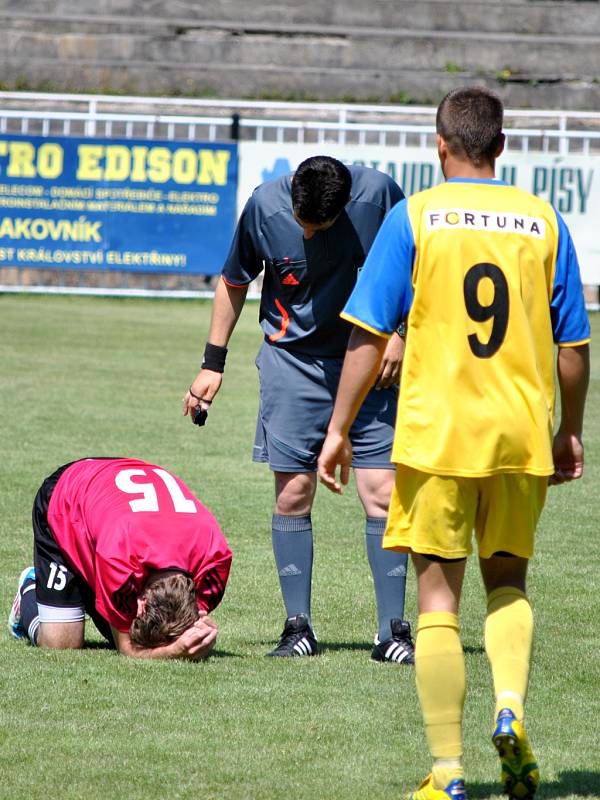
436,515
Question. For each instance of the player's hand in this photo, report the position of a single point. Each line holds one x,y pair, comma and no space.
567,451
205,386
336,450
197,641
205,620
391,363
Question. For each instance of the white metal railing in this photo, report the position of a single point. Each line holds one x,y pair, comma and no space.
88,115
541,131
342,111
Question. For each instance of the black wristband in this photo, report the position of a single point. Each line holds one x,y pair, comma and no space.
401,329
214,357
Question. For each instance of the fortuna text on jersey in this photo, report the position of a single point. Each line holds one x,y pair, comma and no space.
465,218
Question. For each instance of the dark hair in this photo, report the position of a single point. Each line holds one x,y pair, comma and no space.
170,610
320,189
470,122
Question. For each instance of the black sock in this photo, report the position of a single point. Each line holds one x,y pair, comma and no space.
30,621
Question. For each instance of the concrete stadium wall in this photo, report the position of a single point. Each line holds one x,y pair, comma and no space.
535,53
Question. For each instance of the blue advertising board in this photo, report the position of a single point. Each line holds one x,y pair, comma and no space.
116,204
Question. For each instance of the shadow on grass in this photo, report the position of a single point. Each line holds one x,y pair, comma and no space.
324,646
473,649
225,654
96,644
335,646
573,782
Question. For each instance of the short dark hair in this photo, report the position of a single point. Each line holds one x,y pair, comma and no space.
170,610
470,122
320,189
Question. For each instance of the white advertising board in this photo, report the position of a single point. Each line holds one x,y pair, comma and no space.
571,183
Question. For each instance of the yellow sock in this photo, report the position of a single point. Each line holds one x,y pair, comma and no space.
446,770
508,639
440,674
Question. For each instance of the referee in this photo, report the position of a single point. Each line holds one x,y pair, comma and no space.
311,232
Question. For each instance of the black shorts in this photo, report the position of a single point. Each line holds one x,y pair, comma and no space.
62,595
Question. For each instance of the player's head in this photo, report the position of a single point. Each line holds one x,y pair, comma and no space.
167,607
320,190
469,121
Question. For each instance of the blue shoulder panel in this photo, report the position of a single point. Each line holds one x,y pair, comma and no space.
570,322
383,293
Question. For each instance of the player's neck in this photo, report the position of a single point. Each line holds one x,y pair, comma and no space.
455,168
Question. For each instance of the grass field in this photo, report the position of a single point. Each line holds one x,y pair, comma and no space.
86,377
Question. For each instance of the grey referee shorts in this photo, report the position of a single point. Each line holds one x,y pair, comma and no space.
297,393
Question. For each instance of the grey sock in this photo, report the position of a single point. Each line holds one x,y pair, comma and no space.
293,550
389,575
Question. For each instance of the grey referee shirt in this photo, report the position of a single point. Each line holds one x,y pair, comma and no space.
307,281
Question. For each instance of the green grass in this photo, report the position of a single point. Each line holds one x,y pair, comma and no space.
105,377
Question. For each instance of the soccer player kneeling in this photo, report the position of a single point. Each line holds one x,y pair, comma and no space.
127,543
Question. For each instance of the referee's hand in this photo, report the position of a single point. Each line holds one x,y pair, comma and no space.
202,391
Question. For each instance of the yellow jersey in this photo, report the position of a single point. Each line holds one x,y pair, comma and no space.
487,277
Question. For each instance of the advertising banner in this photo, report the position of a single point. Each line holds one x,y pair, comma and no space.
571,183
116,204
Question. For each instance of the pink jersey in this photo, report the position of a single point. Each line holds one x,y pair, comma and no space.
117,519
